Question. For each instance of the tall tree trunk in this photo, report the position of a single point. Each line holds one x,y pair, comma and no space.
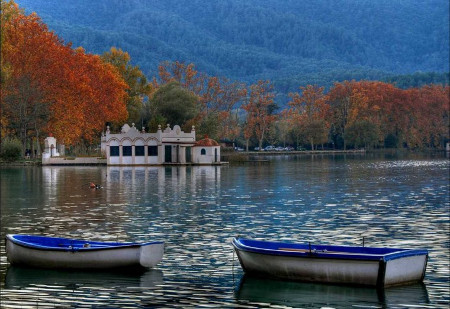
1,139
343,139
23,137
38,145
261,139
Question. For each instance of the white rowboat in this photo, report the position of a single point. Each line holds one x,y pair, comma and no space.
53,252
331,264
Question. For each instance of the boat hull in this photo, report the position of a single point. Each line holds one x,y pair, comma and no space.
333,271
405,270
310,268
102,258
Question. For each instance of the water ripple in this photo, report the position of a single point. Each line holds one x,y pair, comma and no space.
197,211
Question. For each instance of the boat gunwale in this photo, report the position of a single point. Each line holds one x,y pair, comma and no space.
71,248
399,253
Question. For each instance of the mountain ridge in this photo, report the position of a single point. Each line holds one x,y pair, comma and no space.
289,42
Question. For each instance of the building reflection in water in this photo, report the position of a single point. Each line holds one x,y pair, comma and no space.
51,180
144,181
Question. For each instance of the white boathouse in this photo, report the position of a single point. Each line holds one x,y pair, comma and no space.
168,146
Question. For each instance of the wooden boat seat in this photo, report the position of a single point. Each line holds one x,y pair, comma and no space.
322,251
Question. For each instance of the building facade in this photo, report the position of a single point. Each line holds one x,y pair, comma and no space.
168,146
206,151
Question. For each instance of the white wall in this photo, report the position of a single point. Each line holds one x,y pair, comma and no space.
207,158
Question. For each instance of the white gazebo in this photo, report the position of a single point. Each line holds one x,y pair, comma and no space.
50,149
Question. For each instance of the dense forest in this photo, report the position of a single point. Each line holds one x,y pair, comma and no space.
51,86
289,42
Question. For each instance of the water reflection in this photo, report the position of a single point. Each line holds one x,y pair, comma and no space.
157,181
51,177
299,294
23,277
197,210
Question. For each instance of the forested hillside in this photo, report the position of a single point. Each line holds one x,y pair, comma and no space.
49,86
289,42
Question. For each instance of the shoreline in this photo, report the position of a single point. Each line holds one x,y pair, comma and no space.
230,157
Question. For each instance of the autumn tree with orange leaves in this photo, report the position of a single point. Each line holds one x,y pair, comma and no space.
379,114
218,97
355,112
352,114
428,116
308,114
138,88
9,10
260,111
52,88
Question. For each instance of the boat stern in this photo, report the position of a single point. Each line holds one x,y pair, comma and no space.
405,270
151,254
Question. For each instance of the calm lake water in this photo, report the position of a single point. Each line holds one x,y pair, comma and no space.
331,199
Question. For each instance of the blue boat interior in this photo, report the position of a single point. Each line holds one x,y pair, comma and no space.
324,251
55,243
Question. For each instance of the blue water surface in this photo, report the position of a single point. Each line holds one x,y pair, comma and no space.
386,199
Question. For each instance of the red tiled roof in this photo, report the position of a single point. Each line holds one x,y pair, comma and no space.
206,142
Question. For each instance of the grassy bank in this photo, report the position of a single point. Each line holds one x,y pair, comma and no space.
251,156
